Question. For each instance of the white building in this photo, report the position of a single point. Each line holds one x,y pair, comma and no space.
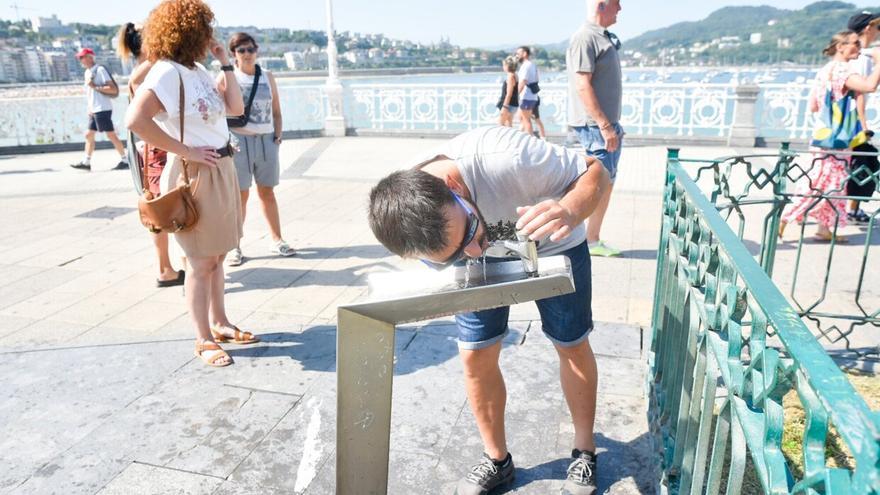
295,61
755,38
272,63
356,57
36,68
49,25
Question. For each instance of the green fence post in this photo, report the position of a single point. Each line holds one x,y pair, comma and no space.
771,232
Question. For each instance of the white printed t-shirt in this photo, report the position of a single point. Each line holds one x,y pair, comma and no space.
204,110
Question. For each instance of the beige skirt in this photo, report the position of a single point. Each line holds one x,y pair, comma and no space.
218,200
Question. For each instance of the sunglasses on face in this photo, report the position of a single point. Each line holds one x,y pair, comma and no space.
470,231
246,49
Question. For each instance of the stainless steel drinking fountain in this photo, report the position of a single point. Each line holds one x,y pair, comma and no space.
365,347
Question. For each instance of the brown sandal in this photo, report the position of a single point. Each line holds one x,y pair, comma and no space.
240,337
838,239
212,361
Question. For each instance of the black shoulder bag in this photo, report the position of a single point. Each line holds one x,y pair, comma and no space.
242,120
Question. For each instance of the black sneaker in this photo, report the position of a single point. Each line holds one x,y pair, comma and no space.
581,478
81,165
486,476
122,165
858,217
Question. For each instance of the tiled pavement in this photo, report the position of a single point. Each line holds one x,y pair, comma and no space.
101,393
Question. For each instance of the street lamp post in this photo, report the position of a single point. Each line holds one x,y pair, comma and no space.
334,124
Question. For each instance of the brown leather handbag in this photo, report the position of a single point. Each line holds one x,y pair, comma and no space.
174,211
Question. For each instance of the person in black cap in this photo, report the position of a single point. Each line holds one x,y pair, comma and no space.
867,26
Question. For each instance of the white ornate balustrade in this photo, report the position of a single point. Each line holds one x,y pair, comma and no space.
685,110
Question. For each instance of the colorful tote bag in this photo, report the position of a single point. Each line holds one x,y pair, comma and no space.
839,127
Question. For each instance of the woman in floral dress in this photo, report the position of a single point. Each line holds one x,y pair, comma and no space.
828,174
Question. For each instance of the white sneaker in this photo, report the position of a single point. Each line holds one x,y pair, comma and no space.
281,248
233,258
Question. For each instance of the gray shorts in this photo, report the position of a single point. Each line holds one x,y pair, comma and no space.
257,160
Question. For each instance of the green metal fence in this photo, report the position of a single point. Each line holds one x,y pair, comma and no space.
756,189
716,387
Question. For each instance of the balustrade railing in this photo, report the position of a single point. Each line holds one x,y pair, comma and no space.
674,110
783,111
716,386
842,300
665,109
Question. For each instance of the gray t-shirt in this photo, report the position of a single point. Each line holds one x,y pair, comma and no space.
589,50
504,168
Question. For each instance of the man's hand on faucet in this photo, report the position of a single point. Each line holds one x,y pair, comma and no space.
547,218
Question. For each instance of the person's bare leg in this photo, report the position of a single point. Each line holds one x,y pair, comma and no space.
166,271
198,296
541,131
90,143
487,396
594,223
579,377
111,135
198,293
245,194
218,294
525,117
270,210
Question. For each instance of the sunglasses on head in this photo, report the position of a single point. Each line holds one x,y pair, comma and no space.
470,231
246,49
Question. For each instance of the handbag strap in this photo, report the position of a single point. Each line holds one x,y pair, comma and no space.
247,108
182,96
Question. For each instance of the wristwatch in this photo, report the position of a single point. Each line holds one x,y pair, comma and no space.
227,68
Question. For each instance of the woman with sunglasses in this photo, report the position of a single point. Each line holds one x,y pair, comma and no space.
259,140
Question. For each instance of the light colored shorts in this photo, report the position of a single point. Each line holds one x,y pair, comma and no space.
257,160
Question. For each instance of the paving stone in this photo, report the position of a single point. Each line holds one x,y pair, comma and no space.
104,392
42,334
143,479
11,324
44,304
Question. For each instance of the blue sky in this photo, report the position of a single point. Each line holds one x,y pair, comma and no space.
467,22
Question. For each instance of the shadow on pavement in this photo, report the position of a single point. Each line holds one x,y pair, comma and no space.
617,461
640,254
280,278
315,349
368,251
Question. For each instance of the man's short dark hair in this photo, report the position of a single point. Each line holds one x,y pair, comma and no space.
526,49
407,212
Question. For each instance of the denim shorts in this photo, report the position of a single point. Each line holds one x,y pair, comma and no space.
594,145
567,319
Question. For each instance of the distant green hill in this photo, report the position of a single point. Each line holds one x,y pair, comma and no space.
794,36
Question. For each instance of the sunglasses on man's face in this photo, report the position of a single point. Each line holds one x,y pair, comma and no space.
470,231
246,49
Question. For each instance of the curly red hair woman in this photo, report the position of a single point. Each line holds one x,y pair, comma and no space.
177,35
179,30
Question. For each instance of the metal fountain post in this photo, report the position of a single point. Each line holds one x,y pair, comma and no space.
365,348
